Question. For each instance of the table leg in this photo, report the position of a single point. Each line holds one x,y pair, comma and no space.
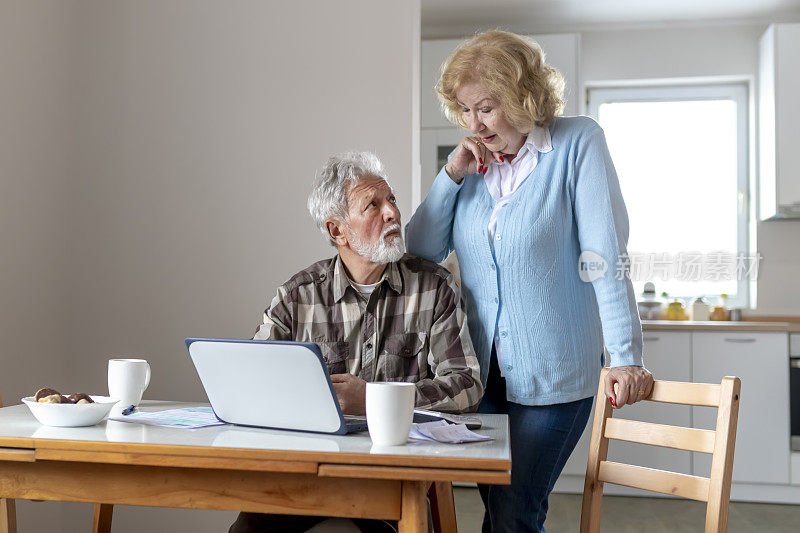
413,508
443,509
103,513
8,516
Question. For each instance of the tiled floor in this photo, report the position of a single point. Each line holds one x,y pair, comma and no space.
641,515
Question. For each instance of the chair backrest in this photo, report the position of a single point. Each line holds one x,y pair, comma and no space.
714,490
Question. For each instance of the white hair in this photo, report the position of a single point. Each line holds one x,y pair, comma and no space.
328,197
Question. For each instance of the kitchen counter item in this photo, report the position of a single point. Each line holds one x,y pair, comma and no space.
676,311
649,310
649,306
700,310
718,313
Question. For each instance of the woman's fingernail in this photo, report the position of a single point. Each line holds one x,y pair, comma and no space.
502,160
480,161
612,402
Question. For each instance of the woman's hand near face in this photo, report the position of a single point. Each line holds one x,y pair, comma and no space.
471,156
628,385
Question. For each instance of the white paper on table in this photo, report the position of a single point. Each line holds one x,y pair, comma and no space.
186,418
441,431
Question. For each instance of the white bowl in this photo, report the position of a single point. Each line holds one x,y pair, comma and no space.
70,415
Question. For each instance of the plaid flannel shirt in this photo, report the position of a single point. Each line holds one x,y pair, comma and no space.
411,328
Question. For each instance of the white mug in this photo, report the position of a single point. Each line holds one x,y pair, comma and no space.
390,411
127,380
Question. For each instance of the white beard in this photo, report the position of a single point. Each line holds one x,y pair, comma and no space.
380,252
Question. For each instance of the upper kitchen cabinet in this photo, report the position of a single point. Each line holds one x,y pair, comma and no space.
779,115
561,51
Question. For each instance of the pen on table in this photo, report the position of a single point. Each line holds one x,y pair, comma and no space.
128,410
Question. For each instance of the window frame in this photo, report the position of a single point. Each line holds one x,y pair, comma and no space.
735,91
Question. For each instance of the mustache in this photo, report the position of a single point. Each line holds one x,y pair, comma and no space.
393,227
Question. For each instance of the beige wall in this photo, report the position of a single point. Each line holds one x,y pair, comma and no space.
155,177
37,172
693,52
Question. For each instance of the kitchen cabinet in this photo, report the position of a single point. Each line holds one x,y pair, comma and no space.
762,439
667,356
779,114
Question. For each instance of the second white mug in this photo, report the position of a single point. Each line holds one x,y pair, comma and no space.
390,411
127,380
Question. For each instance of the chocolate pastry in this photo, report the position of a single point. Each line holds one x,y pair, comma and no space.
41,393
53,398
80,398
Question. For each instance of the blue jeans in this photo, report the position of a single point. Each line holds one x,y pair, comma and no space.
542,439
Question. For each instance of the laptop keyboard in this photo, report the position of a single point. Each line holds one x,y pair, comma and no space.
355,423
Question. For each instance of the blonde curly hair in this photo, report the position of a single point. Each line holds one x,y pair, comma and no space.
513,69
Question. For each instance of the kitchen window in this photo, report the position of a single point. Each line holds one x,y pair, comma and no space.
681,154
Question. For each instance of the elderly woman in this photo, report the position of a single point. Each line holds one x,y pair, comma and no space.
526,201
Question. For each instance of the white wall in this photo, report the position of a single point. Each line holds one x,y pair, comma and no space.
154,182
697,52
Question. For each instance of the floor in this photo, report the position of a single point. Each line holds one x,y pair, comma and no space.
628,514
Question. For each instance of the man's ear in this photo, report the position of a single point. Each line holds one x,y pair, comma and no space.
336,231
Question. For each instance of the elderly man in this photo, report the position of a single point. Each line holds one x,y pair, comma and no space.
376,313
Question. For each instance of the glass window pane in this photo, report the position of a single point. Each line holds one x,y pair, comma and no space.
677,166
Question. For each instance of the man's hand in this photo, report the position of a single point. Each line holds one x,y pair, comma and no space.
352,393
628,385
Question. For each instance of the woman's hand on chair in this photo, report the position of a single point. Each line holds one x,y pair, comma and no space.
626,385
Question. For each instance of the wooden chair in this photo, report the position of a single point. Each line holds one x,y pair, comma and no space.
714,490
443,509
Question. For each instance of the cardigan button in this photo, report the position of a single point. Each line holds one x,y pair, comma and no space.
498,237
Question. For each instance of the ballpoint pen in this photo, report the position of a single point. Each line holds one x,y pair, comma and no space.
128,410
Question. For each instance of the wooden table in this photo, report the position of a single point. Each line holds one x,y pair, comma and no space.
238,468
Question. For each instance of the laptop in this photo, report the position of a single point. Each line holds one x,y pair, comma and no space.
270,384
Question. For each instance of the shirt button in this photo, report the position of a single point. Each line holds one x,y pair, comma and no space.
504,334
368,346
496,299
509,368
498,237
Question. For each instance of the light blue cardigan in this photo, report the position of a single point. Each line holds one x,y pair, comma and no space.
528,288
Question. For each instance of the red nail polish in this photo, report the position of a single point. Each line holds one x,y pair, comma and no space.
612,402
502,160
480,161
